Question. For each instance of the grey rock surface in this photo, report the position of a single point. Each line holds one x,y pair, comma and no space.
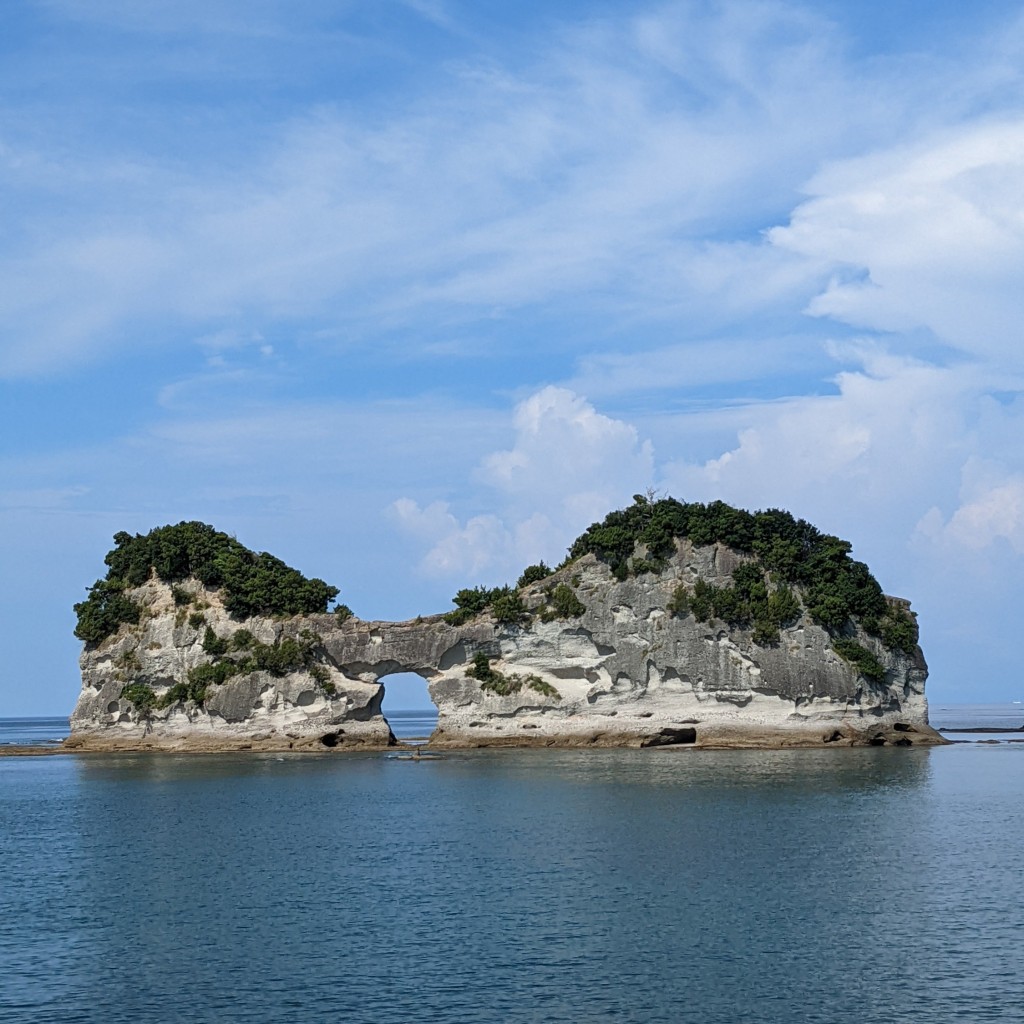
626,672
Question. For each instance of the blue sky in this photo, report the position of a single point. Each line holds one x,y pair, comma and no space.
409,293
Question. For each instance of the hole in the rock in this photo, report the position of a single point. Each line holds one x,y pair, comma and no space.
407,707
329,739
671,737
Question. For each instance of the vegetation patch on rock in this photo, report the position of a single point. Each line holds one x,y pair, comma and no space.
241,654
497,682
562,603
252,583
793,566
504,603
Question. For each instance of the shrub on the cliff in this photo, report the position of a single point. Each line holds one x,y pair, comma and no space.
279,658
504,603
679,602
748,600
860,657
212,674
783,606
748,579
534,574
538,685
508,608
101,614
174,694
473,601
727,604
504,685
322,676
213,644
342,612
260,584
480,669
563,604
779,609
242,640
287,655
656,525
700,601
898,630
141,695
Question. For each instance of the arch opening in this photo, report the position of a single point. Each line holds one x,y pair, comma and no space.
407,707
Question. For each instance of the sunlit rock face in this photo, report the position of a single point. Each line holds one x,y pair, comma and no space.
628,672
624,671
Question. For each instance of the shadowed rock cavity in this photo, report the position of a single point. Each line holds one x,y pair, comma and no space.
671,737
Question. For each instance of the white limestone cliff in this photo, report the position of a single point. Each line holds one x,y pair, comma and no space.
625,672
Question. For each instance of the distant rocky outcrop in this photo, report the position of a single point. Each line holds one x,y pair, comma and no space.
687,640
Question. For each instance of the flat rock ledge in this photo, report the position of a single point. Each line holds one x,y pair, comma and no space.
625,672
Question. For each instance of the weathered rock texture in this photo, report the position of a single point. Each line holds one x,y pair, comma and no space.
624,673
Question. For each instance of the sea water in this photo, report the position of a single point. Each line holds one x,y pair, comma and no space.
671,885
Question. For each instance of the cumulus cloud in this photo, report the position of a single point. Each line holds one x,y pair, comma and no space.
566,451
455,548
991,509
568,466
884,431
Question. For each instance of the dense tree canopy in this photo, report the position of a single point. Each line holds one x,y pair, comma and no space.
836,589
252,583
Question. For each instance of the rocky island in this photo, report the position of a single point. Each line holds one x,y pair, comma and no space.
668,623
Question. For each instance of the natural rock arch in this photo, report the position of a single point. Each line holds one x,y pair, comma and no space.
623,671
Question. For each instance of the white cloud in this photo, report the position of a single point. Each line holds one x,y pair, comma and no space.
885,432
590,176
566,449
991,509
456,549
569,465
937,228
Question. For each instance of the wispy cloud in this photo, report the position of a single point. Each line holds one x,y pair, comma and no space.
591,176
938,228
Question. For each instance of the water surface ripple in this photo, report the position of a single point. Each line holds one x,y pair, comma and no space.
515,886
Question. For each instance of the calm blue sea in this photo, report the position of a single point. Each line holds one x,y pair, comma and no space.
867,885
406,725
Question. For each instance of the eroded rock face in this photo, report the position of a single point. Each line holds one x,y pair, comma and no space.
624,672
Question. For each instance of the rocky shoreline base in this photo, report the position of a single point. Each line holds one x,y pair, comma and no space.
718,737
